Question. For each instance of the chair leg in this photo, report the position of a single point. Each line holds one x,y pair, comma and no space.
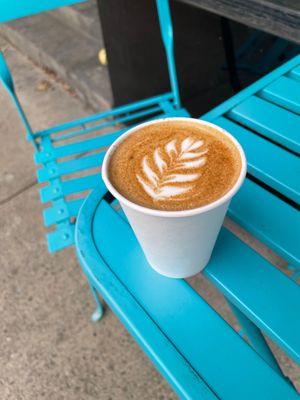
256,338
98,313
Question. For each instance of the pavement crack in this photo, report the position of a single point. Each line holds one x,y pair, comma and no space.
17,193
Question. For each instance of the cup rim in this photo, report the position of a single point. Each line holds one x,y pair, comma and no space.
179,213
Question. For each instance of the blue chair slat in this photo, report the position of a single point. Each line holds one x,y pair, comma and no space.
85,145
61,210
217,353
269,218
55,170
55,189
62,237
115,112
80,147
284,92
18,9
273,122
268,162
265,295
111,123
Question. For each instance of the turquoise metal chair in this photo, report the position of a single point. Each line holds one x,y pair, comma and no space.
198,353
68,154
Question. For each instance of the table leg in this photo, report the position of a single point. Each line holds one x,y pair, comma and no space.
97,314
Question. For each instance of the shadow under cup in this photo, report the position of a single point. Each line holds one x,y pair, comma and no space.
177,244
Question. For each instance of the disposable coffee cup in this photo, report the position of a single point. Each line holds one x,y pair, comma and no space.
177,244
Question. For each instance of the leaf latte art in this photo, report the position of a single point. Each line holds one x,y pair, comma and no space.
176,166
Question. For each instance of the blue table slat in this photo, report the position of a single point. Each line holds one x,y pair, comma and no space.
217,353
269,120
269,163
264,294
270,219
284,92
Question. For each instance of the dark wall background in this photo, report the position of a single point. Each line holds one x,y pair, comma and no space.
136,58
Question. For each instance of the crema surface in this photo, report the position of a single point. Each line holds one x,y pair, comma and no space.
174,165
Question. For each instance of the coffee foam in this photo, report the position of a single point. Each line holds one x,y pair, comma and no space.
169,179
175,165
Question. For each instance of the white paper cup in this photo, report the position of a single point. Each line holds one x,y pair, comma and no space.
177,244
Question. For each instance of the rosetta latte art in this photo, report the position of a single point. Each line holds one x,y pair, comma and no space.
177,166
174,165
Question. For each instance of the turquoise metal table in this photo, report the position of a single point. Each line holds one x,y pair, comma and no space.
191,345
199,354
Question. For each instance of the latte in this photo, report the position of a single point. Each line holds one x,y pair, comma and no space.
175,165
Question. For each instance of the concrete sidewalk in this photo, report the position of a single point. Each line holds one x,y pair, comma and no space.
48,346
49,349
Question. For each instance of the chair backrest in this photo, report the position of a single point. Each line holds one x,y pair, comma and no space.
265,118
